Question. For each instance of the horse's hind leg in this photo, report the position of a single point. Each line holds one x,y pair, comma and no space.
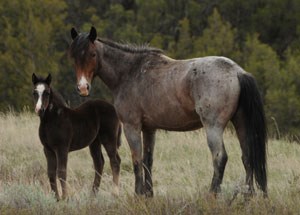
98,160
219,155
110,145
148,142
239,125
51,170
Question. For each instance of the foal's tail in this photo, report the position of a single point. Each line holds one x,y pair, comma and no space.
256,130
119,136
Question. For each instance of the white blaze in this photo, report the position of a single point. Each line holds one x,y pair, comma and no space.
40,88
83,82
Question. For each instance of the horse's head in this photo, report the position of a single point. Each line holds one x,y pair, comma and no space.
85,55
41,93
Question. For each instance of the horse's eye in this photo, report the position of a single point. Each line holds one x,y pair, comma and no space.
47,93
93,54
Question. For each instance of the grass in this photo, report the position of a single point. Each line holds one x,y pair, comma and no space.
182,174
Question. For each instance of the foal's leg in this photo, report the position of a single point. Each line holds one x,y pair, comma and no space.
110,145
148,142
51,170
239,125
98,160
133,136
219,156
62,159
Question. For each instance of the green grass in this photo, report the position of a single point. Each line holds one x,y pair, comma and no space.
182,174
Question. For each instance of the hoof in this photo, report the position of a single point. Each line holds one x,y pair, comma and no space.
149,194
115,191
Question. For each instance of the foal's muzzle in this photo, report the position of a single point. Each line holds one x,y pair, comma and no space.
40,112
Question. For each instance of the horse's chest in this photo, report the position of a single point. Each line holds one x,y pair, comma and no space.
54,132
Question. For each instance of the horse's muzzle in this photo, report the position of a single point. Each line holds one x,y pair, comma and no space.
83,90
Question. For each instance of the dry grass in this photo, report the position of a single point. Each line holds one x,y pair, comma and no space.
182,173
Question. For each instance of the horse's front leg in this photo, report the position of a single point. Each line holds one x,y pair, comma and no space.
110,145
51,170
133,136
62,159
148,142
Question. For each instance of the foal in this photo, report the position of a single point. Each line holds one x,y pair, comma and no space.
62,130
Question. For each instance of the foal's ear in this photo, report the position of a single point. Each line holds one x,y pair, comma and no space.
48,79
34,79
93,34
74,33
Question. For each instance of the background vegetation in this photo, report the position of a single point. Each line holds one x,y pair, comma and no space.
262,36
182,173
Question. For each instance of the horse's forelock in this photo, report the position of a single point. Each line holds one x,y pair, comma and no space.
79,47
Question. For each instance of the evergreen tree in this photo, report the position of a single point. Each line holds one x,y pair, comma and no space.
183,45
283,98
119,25
260,60
28,43
217,39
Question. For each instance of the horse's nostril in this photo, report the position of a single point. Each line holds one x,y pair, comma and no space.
87,86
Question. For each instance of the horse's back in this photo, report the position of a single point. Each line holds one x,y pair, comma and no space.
106,115
90,120
170,94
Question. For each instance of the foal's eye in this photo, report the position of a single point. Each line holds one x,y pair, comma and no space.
93,54
34,93
46,93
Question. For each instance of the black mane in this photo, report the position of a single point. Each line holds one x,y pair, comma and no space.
79,47
132,48
81,43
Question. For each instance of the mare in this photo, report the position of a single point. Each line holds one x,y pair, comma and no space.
152,91
62,130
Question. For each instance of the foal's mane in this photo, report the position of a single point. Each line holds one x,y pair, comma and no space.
58,99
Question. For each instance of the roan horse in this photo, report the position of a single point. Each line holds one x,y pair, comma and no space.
94,123
152,91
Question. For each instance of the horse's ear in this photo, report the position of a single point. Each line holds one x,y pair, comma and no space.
48,79
74,33
93,34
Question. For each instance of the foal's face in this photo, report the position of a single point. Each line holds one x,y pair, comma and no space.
41,94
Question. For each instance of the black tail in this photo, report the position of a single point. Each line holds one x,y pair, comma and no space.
119,136
256,130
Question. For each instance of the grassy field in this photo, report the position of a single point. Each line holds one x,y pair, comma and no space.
182,173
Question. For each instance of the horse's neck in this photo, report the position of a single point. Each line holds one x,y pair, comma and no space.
116,64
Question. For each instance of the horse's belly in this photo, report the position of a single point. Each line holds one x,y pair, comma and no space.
172,121
82,140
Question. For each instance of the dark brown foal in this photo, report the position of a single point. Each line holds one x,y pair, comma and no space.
62,130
